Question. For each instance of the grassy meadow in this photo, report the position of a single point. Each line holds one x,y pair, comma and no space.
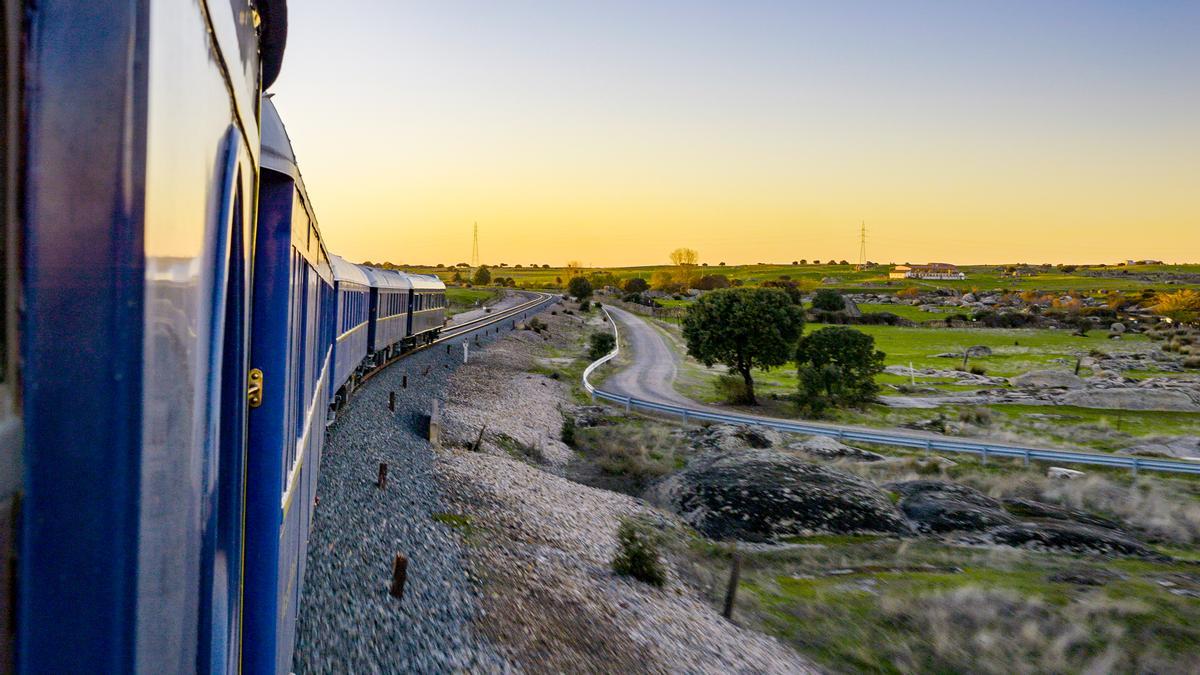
981,277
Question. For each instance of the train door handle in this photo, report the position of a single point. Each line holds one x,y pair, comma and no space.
254,387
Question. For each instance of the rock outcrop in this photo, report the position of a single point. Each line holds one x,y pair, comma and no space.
940,506
1072,537
760,495
824,447
1047,379
732,437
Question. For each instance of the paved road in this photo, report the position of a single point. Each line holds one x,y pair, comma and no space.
654,366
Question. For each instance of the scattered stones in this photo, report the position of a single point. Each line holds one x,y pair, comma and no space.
941,506
825,447
1064,473
760,495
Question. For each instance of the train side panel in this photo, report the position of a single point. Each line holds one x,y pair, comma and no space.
141,165
292,345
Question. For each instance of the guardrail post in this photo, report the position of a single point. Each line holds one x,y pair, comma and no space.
1025,458
1134,467
628,403
684,411
928,446
985,455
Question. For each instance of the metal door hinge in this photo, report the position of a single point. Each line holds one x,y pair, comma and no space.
254,388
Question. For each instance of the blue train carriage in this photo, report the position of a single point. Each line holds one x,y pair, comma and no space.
291,357
426,308
131,147
390,291
352,288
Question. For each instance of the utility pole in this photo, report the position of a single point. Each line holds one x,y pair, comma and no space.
475,248
862,246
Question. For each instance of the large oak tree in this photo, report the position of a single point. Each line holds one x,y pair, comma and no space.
743,329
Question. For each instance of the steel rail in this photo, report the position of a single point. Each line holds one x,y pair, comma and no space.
927,442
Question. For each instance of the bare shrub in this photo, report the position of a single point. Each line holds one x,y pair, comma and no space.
641,452
978,416
638,552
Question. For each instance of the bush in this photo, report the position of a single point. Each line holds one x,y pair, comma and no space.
637,552
580,288
837,366
585,306
600,344
732,389
636,285
829,300
978,370
567,434
977,416
1192,362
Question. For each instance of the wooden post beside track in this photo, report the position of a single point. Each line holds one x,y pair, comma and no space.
392,401
399,576
731,593
381,482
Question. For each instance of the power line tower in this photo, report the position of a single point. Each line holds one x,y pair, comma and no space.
862,246
475,248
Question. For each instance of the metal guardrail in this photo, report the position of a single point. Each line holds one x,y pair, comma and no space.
927,442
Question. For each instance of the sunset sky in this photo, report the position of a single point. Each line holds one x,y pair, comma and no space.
612,132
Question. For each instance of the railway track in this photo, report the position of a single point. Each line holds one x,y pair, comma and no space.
469,327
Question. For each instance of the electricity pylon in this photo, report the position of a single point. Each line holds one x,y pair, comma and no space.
475,248
862,246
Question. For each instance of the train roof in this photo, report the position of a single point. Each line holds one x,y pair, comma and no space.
277,153
344,270
381,278
425,282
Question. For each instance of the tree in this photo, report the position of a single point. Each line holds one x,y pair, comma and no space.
457,278
483,276
600,344
574,268
684,260
837,365
636,285
580,287
743,329
828,300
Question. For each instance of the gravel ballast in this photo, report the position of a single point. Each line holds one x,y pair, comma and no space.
348,622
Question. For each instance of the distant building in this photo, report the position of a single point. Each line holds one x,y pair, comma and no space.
940,271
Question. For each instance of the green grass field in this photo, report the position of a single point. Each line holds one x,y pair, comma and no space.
464,299
981,277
